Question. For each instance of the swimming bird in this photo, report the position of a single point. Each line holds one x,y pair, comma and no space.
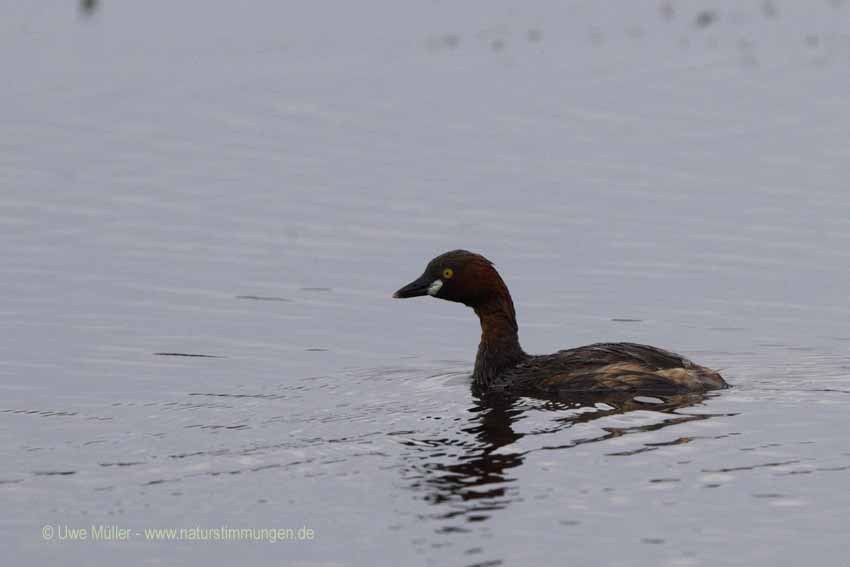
501,364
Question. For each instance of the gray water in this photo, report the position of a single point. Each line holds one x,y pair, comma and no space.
252,182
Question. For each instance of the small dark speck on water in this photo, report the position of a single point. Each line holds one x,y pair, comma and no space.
316,289
535,35
705,19
89,7
190,355
497,44
596,37
626,320
451,40
667,11
261,297
652,540
768,9
316,349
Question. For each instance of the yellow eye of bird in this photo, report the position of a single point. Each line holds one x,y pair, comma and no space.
448,273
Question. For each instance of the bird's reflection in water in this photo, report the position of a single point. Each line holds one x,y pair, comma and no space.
468,472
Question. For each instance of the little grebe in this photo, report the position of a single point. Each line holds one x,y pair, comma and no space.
502,365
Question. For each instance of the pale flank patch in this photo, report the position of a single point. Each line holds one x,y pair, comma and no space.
435,287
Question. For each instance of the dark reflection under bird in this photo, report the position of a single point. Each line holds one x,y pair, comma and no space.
469,474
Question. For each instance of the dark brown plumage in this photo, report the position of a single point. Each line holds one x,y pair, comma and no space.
502,364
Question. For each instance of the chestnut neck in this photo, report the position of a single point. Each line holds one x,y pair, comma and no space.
499,348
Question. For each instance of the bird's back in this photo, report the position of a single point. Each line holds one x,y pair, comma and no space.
611,367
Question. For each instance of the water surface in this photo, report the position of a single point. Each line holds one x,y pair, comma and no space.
249,186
